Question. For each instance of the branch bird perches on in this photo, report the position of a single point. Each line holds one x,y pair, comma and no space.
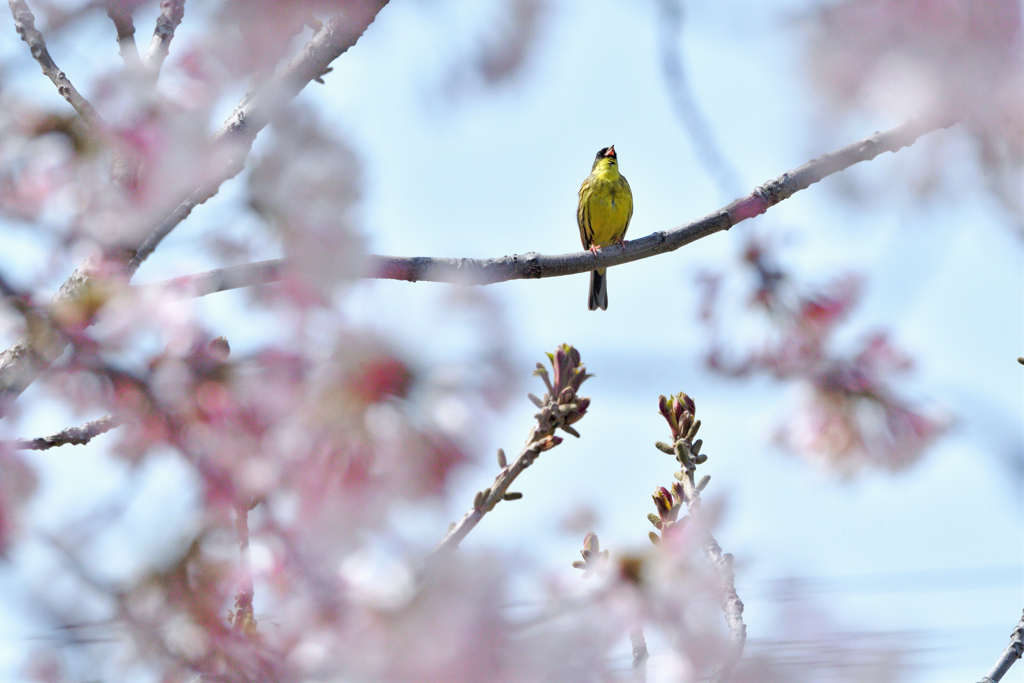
469,271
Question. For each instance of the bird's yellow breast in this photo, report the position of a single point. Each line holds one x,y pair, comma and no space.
607,205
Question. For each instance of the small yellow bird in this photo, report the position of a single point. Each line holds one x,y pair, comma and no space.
606,205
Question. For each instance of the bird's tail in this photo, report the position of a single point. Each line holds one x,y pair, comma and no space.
598,290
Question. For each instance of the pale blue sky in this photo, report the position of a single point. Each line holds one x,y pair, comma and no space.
496,172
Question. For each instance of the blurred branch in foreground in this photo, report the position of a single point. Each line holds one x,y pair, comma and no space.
1010,655
75,436
640,654
24,23
702,137
532,265
171,14
559,409
120,12
21,364
243,619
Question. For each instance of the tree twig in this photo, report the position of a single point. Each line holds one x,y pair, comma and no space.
218,280
1010,655
171,13
243,620
536,443
120,13
468,271
25,25
76,436
559,409
42,332
636,639
732,606
679,411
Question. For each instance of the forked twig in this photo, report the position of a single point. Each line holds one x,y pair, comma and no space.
559,409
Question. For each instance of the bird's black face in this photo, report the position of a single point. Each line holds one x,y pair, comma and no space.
606,153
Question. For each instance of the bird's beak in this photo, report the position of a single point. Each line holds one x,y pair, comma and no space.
610,152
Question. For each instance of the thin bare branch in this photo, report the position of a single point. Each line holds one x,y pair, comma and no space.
171,13
486,500
469,271
42,336
25,24
732,606
533,265
636,639
243,619
560,408
75,436
1010,655
120,12
21,364
218,280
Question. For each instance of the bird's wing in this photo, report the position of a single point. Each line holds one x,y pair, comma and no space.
583,215
629,193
